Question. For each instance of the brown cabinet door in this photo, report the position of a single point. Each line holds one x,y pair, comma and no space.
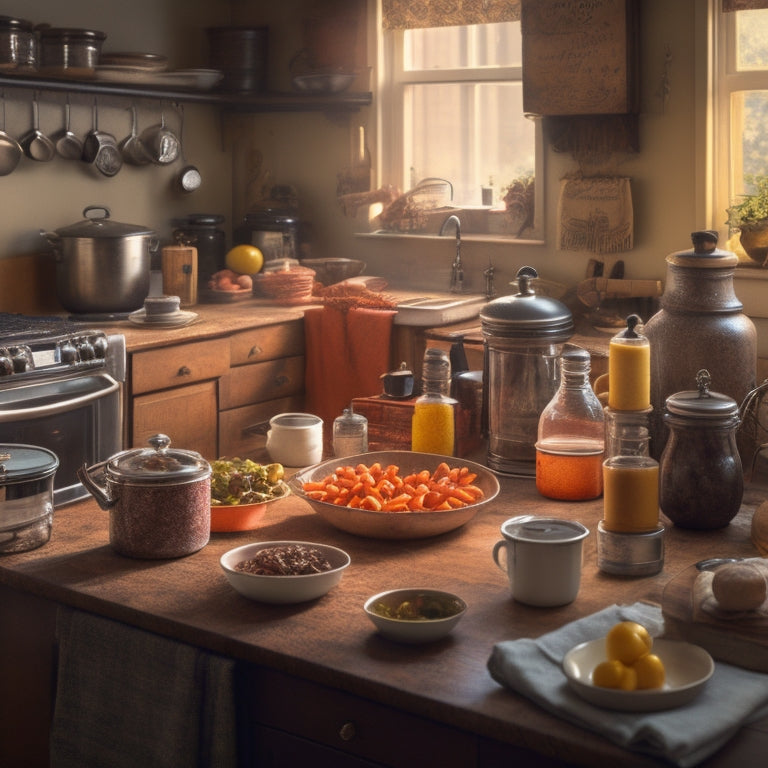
270,380
188,415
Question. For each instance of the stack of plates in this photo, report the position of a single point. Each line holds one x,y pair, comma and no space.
163,320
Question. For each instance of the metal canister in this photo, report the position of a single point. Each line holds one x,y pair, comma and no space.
701,483
201,230
523,336
274,231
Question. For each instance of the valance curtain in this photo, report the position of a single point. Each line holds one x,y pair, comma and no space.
744,5
415,14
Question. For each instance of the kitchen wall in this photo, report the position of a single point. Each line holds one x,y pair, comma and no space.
309,149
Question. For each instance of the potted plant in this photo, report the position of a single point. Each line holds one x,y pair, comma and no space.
750,217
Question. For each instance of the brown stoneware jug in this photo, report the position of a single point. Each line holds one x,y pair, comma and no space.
700,326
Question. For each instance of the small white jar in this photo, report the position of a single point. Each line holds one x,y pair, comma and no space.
295,439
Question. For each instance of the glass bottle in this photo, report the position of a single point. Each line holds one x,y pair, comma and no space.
350,434
571,434
629,368
702,483
630,474
433,422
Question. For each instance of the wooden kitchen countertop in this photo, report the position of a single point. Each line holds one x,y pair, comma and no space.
331,641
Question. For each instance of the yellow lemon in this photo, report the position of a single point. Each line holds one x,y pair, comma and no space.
245,259
627,641
650,671
614,674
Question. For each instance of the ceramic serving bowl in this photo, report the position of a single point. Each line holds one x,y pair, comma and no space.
687,667
396,525
283,589
242,517
415,615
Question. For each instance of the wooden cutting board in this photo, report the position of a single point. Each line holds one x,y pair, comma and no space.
741,641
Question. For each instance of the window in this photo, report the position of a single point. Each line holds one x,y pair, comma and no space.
740,105
452,109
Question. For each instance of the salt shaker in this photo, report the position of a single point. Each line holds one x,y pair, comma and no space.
350,434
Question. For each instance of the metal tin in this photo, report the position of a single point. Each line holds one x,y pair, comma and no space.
70,51
18,45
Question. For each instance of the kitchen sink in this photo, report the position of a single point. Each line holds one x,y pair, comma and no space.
438,310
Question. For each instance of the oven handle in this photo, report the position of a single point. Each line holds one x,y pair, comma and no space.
60,406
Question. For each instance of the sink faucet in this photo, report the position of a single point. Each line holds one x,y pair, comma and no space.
457,271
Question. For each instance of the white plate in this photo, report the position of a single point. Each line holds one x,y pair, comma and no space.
687,666
169,320
203,79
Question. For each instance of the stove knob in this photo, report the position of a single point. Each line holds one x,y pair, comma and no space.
100,345
6,364
67,353
19,360
86,350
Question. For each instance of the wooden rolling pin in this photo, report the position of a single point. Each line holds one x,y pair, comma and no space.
593,290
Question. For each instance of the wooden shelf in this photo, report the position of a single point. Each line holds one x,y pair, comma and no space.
235,102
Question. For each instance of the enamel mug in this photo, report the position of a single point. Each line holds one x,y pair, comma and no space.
542,558
295,439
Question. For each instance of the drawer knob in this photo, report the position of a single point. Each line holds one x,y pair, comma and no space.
281,380
255,351
347,732
184,371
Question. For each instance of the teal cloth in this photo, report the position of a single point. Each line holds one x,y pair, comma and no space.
128,698
683,736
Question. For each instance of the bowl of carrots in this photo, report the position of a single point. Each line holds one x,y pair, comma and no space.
396,494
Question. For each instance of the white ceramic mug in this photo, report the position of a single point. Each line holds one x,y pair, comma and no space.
295,439
542,559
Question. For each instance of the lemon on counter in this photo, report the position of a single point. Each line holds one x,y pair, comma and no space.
245,259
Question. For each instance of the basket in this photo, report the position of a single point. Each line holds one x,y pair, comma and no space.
287,286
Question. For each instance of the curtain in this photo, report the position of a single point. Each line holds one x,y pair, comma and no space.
414,14
744,5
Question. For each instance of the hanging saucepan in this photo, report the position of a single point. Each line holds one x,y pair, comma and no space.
160,143
10,149
130,147
68,145
36,145
102,266
158,498
100,149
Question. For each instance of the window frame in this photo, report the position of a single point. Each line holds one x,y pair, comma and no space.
393,78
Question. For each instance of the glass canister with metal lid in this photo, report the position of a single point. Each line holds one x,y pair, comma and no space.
701,480
202,230
523,336
274,231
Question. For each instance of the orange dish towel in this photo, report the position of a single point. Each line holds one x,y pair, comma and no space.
346,353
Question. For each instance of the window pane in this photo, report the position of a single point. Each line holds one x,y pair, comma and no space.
471,134
480,45
752,36
749,116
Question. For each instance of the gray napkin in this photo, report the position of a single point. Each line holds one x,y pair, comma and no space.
684,736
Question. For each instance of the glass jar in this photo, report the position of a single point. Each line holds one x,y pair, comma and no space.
522,336
571,434
702,482
350,434
629,368
433,422
630,474
201,230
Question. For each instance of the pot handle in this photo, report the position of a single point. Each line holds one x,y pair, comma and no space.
100,494
51,237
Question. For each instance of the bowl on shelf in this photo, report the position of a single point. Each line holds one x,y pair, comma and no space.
396,525
332,82
334,270
284,589
415,615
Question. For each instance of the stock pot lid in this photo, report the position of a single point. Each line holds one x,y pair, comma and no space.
26,462
158,464
98,224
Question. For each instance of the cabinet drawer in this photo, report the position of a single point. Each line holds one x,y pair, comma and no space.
351,724
179,364
236,436
270,380
188,415
267,343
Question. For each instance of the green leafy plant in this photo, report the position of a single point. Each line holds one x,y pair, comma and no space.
753,208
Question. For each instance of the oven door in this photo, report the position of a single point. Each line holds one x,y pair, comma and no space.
78,418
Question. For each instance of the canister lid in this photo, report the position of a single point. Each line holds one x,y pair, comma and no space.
101,226
527,315
17,25
198,220
158,464
705,253
701,403
20,462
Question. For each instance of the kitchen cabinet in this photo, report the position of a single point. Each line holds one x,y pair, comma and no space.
214,395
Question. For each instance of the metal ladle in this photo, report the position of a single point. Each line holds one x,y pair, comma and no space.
35,143
68,145
10,149
189,178
130,147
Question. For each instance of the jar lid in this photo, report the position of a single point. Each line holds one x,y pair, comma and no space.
350,420
101,226
158,464
701,403
65,34
19,25
20,462
270,216
199,220
704,253
526,315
